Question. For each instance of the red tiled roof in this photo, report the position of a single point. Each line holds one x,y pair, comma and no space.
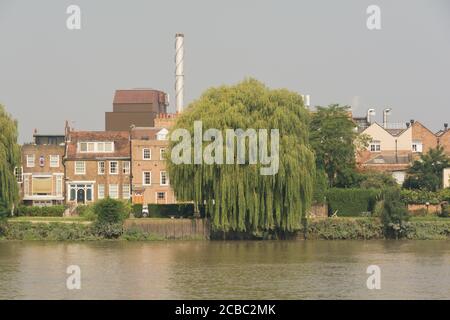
136,96
121,141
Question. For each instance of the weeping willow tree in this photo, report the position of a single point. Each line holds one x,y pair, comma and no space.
9,159
237,197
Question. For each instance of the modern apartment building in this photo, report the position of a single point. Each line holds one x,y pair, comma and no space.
97,165
41,175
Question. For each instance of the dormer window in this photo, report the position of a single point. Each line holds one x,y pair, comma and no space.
96,147
162,134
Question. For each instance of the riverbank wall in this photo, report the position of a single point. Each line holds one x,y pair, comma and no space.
172,229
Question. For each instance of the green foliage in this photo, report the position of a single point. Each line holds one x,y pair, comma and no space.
377,180
426,173
420,196
428,230
352,201
180,210
110,211
345,229
395,215
34,211
320,187
332,138
47,231
107,230
137,210
9,159
135,234
238,197
87,212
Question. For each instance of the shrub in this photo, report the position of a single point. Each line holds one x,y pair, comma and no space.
320,187
137,210
352,202
107,230
420,197
395,215
34,211
345,229
110,211
87,212
180,210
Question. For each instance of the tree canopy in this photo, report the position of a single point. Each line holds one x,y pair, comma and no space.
236,196
333,137
9,159
426,173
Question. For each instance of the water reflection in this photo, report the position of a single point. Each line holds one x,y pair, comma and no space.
226,270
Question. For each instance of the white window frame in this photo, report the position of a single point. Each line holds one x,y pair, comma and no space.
417,146
59,186
161,178
375,146
126,165
126,191
114,195
101,170
101,191
26,184
163,192
149,152
54,163
144,180
31,161
96,146
76,168
161,151
117,167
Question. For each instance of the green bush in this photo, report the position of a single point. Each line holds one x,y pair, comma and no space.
137,210
320,187
110,211
352,201
180,210
107,230
47,231
395,214
345,229
34,211
87,212
428,230
420,196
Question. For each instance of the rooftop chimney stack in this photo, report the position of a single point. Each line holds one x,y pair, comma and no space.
386,112
445,126
370,113
179,71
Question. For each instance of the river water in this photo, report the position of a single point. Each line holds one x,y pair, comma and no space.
226,270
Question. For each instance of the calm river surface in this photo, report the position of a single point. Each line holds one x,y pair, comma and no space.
226,270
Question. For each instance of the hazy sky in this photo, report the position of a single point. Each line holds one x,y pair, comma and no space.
49,74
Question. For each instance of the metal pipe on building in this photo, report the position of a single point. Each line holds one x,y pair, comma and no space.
179,71
386,112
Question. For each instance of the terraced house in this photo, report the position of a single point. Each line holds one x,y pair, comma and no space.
97,165
41,174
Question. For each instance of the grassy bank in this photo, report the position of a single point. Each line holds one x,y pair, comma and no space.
63,229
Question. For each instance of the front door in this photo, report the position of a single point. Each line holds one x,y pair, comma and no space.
81,196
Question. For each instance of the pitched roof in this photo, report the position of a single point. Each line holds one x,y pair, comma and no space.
136,96
120,138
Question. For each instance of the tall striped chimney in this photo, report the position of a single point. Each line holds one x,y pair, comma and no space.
179,71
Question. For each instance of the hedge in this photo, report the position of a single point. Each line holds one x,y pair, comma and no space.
352,201
34,211
423,196
181,210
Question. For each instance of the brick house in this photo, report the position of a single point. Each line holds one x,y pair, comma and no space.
443,137
150,179
388,151
423,139
97,165
41,175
